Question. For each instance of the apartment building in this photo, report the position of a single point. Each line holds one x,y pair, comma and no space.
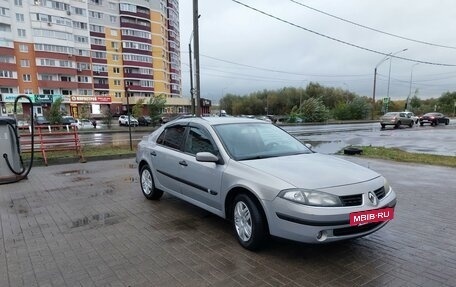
91,53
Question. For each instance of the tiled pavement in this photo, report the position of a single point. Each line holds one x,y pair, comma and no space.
89,225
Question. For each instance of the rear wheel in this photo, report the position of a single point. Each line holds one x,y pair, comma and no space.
411,124
447,122
397,125
147,184
383,126
421,124
248,221
436,122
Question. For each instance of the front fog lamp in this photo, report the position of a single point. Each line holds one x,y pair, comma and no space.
310,197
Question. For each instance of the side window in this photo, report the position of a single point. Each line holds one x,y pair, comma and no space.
172,137
199,140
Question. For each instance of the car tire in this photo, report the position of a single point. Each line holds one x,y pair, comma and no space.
397,125
147,184
421,124
447,122
436,123
411,124
249,223
383,126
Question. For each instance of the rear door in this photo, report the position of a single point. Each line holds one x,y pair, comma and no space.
166,157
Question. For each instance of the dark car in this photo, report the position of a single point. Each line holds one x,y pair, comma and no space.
68,120
41,120
144,120
434,119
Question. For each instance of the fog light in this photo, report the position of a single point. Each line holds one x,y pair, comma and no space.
322,235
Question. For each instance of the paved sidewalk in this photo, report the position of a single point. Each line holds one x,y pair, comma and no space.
87,224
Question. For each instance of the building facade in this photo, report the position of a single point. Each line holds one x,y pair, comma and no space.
91,53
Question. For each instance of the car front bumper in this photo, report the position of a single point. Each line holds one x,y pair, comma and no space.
310,224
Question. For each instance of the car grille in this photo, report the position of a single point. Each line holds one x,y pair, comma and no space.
355,229
351,200
380,193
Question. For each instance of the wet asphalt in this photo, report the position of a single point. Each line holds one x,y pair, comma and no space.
87,224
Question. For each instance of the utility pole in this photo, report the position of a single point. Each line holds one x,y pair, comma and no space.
196,56
373,93
192,98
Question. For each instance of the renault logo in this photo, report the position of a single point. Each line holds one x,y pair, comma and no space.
372,198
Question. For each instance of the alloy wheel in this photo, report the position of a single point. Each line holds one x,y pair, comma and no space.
243,221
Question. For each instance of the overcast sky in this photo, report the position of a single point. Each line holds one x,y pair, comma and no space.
243,51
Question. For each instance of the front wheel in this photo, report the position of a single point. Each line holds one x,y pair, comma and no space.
147,184
248,222
383,126
447,122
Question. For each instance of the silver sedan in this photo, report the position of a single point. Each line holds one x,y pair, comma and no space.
262,179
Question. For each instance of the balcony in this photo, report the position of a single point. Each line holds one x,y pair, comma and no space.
101,86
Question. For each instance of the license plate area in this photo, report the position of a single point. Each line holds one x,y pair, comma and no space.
370,216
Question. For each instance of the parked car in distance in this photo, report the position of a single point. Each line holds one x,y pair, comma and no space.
396,119
123,121
434,119
41,120
262,179
68,120
83,123
144,120
21,124
415,119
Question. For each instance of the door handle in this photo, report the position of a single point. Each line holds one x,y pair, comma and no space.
183,162
153,153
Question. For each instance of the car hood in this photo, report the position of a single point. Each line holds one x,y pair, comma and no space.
313,171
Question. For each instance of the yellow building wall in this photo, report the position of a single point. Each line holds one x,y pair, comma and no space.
110,50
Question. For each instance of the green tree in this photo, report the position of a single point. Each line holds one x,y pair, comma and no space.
137,109
107,117
55,113
313,110
155,107
446,102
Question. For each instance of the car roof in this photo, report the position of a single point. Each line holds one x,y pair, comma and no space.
217,120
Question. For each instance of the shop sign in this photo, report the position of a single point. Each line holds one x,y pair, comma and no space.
91,99
10,98
43,99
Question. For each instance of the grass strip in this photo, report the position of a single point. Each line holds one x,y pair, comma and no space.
396,154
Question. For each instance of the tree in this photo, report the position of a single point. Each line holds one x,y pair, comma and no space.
137,109
55,113
313,110
84,111
107,117
155,107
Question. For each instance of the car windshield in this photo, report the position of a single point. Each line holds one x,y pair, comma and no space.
245,141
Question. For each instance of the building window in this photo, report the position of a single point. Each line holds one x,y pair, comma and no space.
65,79
25,63
113,19
6,74
116,82
4,11
26,78
23,48
28,91
48,92
113,32
112,6
116,70
117,94
19,17
6,90
21,33
67,92
18,2
115,57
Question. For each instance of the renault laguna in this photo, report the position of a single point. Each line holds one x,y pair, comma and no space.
263,180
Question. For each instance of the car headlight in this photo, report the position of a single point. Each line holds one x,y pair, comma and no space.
310,197
387,187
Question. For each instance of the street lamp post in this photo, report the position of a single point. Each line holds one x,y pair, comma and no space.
389,73
389,56
128,113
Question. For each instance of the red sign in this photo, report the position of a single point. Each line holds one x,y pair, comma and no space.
87,99
369,216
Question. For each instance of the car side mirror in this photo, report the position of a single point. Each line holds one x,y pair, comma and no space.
206,157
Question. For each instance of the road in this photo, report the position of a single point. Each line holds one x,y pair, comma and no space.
330,139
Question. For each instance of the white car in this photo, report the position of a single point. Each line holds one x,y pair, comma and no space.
412,116
123,121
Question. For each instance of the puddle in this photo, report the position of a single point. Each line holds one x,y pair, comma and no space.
327,147
73,172
131,179
130,165
79,178
96,220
